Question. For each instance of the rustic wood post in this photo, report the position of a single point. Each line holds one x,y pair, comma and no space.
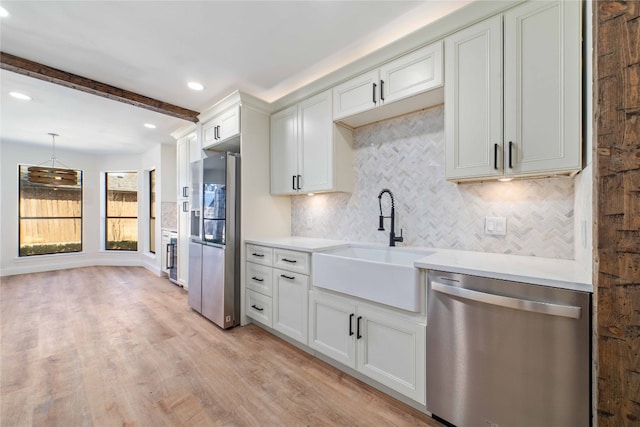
617,210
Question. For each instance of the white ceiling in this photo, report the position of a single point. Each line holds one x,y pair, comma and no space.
265,48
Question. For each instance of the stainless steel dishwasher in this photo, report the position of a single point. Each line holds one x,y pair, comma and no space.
503,353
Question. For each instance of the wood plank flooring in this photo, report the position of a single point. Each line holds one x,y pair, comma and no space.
107,346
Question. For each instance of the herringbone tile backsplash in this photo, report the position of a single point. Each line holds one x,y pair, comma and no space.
406,155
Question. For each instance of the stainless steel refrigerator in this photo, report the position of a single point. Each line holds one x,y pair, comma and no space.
214,247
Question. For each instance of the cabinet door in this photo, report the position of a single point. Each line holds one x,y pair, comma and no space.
209,133
543,87
183,246
473,101
356,95
284,151
315,143
182,158
392,351
332,327
229,123
290,304
195,150
411,74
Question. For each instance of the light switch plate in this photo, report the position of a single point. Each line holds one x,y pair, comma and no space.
495,225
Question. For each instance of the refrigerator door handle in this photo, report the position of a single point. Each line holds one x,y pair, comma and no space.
509,302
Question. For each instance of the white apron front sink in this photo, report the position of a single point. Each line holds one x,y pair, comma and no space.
382,274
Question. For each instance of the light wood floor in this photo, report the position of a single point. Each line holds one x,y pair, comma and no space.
109,346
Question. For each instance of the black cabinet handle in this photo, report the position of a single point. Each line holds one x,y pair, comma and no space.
293,182
358,336
495,156
257,308
299,186
510,154
351,324
169,256
287,277
258,255
289,260
185,191
257,279
382,90
217,134
185,206
374,93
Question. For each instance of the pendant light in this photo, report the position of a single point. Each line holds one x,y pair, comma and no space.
52,175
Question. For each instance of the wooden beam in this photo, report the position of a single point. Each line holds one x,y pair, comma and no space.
43,72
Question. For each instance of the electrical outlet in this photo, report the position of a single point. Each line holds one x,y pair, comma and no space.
495,225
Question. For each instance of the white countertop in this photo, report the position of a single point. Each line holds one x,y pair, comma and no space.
304,244
557,273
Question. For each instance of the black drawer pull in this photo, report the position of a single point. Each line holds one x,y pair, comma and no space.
289,260
287,277
358,336
257,308
351,324
258,255
495,156
257,279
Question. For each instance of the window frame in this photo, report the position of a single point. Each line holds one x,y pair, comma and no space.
107,217
21,217
152,211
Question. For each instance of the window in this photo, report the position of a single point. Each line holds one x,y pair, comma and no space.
121,211
49,215
152,211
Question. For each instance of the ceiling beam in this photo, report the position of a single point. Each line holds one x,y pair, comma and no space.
39,71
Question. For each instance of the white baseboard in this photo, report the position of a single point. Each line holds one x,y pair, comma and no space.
63,262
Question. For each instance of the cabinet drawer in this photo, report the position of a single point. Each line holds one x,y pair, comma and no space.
292,261
259,278
260,255
258,307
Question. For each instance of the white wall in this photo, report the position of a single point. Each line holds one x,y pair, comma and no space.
93,167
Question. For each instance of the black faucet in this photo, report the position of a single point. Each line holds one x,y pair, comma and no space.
392,235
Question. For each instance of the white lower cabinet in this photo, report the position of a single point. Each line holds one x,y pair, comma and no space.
387,347
277,287
290,292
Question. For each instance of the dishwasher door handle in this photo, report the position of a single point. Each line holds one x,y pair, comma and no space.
516,303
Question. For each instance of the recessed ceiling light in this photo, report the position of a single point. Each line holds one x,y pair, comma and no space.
19,95
3,12
195,86
149,125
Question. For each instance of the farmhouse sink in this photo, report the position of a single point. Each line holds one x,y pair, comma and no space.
382,274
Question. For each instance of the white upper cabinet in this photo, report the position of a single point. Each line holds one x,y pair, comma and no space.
542,80
411,74
405,77
473,101
221,128
309,153
356,95
537,131
284,151
315,144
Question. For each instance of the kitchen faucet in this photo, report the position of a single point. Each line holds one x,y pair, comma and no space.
392,234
